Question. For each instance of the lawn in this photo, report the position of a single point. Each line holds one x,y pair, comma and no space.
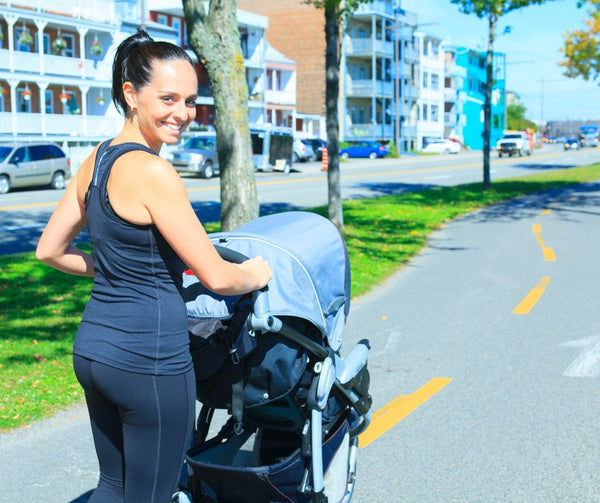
40,308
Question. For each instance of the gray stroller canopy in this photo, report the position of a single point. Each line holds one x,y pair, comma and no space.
311,272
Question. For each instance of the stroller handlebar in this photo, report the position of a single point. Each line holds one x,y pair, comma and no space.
261,318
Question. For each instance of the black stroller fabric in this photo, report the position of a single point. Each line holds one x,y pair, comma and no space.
274,483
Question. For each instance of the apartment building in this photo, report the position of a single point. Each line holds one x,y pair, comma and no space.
431,78
454,96
252,29
55,66
474,63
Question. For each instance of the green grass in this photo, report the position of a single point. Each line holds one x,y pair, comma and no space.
40,308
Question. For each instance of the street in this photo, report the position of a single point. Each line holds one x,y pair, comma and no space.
24,213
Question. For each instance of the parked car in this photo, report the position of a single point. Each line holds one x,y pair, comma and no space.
370,149
442,146
572,144
303,151
317,145
198,155
33,164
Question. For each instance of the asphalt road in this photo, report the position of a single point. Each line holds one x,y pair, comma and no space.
24,213
484,367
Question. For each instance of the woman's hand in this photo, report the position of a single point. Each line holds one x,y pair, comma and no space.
258,269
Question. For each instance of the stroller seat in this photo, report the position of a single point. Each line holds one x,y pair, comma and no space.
272,361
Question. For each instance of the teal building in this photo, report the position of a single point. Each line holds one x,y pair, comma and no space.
473,96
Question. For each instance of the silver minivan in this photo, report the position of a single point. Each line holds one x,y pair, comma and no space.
31,165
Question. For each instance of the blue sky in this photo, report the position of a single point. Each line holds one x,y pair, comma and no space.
532,53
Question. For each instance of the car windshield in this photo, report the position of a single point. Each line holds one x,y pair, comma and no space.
512,136
4,151
206,143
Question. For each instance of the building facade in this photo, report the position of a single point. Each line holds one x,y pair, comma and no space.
474,63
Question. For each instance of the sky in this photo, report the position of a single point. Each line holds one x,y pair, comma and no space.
532,53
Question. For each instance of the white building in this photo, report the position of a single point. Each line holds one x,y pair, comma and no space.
431,77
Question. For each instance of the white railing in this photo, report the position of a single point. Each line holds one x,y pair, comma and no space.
99,11
59,124
280,97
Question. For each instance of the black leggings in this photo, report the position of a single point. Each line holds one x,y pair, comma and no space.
142,427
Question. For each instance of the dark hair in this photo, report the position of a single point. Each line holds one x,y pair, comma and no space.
133,63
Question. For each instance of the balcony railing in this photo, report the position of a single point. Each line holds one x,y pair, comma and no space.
50,124
376,6
99,11
367,88
280,97
366,46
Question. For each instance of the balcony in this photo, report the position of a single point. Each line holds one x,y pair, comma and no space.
280,97
48,64
369,88
375,7
367,46
99,11
72,125
369,131
450,95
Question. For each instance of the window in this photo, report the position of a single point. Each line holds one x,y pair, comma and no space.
20,155
425,80
435,81
361,115
23,47
46,42
354,70
353,115
49,97
42,152
425,114
434,113
69,51
162,19
362,73
425,48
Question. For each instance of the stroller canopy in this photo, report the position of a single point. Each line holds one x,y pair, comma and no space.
311,273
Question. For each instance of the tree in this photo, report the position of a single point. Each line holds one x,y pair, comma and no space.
215,39
582,47
515,113
492,10
335,12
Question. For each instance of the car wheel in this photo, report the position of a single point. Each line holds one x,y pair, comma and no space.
295,157
58,180
372,155
446,151
345,155
499,154
4,184
287,168
208,171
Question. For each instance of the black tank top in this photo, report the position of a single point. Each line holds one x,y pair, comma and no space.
136,319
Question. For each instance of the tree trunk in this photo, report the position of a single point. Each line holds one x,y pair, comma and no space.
215,40
487,107
332,69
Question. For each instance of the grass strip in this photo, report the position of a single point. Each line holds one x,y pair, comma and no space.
40,308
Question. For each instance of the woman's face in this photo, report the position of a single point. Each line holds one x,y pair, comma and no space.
165,107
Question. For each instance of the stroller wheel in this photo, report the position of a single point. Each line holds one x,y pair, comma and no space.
181,497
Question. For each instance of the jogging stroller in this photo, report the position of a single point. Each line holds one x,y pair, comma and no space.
271,361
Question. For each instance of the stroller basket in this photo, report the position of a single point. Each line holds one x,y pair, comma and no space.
263,467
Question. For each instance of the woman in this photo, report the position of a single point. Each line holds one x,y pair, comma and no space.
131,350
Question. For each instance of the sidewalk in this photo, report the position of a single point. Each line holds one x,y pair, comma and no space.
51,461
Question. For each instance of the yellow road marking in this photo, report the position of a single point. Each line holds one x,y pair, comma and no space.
400,407
546,211
546,250
532,297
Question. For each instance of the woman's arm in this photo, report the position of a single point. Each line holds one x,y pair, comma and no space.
55,247
166,199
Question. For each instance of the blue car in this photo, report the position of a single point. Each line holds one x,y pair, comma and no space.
370,149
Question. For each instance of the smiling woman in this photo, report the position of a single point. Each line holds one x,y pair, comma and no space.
131,352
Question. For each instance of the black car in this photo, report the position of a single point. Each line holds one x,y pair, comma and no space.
317,145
